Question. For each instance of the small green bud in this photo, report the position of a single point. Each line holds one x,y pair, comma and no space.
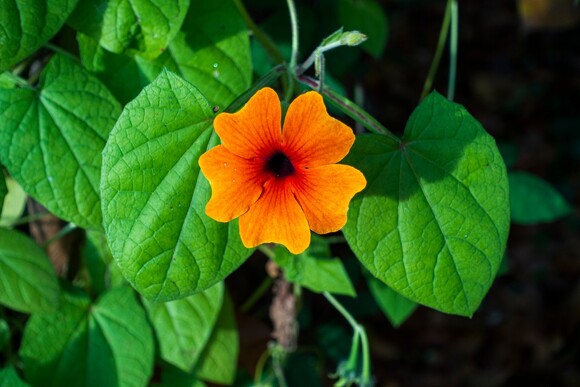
352,38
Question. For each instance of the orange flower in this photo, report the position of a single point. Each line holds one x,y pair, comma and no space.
281,184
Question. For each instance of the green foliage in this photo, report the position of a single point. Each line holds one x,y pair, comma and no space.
106,343
396,307
441,197
135,26
27,25
533,200
316,272
183,327
368,17
154,194
3,190
14,203
9,378
54,139
217,363
28,282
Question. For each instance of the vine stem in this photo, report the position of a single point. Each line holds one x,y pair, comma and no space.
438,52
453,50
360,331
294,26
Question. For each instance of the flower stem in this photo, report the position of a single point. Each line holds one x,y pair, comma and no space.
349,108
257,294
266,80
294,26
453,50
360,331
438,52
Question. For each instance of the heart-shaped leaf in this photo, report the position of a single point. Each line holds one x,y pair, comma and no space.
154,194
27,24
142,26
108,343
28,282
433,221
52,139
184,326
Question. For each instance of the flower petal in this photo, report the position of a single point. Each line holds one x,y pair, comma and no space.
255,130
324,194
312,137
276,217
236,183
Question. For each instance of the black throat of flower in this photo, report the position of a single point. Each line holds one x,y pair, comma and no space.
280,165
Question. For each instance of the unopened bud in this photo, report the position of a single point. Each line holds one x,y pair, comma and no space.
353,38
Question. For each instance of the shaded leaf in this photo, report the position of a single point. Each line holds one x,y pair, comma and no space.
154,195
27,24
53,139
28,282
433,221
9,378
174,377
218,362
184,326
533,200
317,274
396,307
368,17
108,343
142,26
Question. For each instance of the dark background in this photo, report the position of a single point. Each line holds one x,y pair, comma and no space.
519,74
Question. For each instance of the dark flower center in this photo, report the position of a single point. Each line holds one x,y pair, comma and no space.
280,165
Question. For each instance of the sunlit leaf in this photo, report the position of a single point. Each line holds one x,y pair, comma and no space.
433,221
52,139
14,203
154,195
28,282
108,343
533,200
184,326
27,24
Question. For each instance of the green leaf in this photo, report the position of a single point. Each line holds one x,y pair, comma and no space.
396,307
368,17
184,326
3,190
174,377
108,343
103,270
138,26
318,274
212,51
28,282
533,200
27,25
218,362
9,378
433,221
53,139
14,203
154,195
4,333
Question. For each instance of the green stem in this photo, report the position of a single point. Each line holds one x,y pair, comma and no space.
360,330
260,367
438,52
17,80
63,231
349,108
266,80
257,294
60,50
453,50
265,41
294,26
267,251
29,218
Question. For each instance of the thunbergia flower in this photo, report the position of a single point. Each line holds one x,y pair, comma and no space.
281,183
